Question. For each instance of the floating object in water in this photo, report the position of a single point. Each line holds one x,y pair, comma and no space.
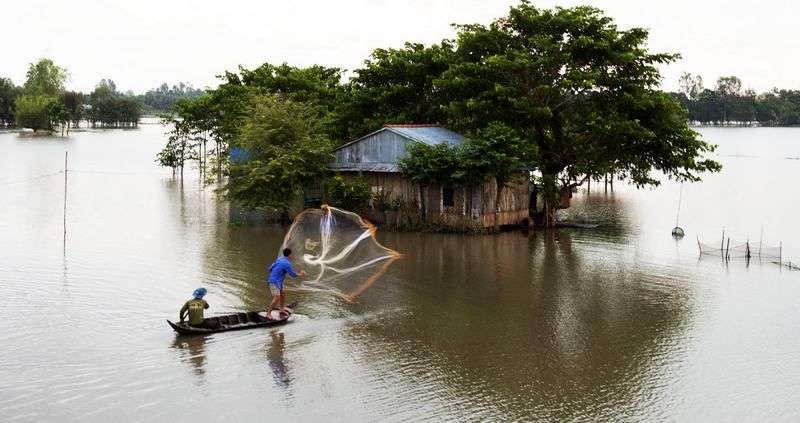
235,321
678,232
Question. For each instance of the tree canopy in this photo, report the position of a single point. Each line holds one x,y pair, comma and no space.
45,78
287,150
579,89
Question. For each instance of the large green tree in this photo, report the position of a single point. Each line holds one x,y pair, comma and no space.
578,88
39,106
45,78
286,149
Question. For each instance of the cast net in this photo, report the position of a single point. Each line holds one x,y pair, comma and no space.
338,251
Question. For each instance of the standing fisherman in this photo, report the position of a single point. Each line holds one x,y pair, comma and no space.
277,273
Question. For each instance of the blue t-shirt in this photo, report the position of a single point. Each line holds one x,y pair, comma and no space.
278,271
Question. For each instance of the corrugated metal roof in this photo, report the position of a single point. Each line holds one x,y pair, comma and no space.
428,134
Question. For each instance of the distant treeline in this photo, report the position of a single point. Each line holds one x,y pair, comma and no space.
164,97
43,102
729,104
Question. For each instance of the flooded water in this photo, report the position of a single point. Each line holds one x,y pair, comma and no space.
619,323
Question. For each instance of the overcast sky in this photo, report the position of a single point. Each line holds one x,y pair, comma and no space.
140,44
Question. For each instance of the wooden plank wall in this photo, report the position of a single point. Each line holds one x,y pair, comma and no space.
471,206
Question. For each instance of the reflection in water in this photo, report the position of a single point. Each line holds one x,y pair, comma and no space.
192,350
276,362
616,323
562,326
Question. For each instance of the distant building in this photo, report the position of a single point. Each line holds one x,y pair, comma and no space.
374,157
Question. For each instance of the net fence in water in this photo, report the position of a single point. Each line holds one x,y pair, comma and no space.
739,249
338,251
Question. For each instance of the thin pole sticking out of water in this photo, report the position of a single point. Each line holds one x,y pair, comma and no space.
680,197
65,199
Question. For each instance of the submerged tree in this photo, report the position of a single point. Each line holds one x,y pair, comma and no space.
579,89
32,112
286,151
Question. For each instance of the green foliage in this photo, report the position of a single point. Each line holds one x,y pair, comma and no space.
396,86
8,95
57,113
32,111
179,148
354,196
45,78
729,104
164,97
287,151
109,109
582,91
496,151
426,164
73,102
317,86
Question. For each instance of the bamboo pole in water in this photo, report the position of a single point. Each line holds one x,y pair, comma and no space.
722,244
728,250
66,157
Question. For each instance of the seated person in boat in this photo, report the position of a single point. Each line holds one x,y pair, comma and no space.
277,273
194,308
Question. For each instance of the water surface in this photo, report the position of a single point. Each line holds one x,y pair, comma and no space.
622,322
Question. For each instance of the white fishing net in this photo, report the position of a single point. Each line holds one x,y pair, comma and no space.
338,251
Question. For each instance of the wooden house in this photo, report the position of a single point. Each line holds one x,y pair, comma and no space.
374,157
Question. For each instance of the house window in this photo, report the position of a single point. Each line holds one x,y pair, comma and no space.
448,197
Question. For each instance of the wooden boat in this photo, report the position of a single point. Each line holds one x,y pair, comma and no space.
235,321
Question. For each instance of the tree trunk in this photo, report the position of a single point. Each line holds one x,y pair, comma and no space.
551,197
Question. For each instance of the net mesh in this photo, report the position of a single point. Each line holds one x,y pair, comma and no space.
338,251
739,249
